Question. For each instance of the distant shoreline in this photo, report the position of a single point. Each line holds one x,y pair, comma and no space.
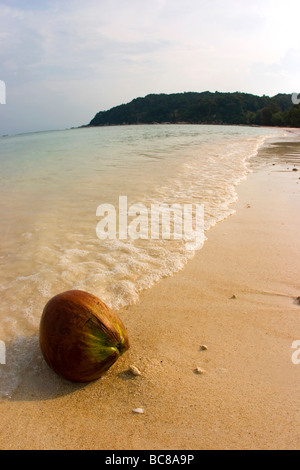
88,126
177,124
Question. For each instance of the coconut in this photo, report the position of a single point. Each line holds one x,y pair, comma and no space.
80,336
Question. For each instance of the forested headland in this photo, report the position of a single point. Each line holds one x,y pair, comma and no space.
204,108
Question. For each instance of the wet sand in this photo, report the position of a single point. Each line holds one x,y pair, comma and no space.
237,296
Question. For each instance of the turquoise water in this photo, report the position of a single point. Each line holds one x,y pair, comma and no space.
53,182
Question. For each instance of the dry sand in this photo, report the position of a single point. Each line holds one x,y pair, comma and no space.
249,397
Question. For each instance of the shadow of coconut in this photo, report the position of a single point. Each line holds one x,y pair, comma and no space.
26,376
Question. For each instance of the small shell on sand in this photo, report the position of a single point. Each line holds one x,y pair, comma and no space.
134,370
199,371
203,347
138,411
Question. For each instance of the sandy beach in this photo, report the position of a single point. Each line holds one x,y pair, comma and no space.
237,297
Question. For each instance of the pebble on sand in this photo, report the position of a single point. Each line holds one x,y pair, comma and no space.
203,347
138,411
134,370
298,300
234,296
199,371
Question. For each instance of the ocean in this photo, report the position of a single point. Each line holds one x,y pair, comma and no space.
52,185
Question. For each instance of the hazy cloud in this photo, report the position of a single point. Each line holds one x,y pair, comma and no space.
64,60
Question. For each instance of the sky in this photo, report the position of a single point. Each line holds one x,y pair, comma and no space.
62,61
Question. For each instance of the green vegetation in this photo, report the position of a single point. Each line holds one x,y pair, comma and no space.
204,108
